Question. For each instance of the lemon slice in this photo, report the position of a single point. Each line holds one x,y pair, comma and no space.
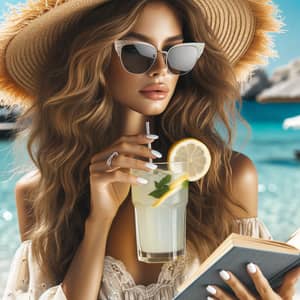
195,153
197,158
178,181
174,187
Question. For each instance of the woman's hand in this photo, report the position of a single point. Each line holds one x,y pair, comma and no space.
110,186
285,292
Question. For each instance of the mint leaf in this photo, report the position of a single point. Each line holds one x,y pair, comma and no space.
165,180
159,192
185,184
161,187
157,184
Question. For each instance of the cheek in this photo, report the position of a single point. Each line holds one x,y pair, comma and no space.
120,82
173,82
124,88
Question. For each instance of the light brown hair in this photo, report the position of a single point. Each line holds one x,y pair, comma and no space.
72,120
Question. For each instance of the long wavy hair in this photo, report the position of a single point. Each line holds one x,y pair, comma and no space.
72,120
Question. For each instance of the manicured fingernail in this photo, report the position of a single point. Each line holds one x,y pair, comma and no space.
151,166
211,289
142,180
251,268
152,136
210,298
224,275
156,153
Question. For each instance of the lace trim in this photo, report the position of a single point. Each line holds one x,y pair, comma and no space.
170,271
252,227
119,283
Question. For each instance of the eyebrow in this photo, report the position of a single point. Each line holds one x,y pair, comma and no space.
147,39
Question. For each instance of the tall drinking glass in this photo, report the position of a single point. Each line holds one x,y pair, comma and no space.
161,229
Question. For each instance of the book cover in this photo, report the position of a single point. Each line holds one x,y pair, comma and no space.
274,259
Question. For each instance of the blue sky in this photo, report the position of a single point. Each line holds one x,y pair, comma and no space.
287,44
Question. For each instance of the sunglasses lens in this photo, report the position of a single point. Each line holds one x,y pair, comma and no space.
182,59
138,58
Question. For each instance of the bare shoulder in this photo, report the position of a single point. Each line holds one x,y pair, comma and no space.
24,186
244,185
243,169
26,183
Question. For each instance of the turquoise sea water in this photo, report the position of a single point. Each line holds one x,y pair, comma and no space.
272,150
270,147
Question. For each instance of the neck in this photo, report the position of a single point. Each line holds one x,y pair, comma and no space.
131,122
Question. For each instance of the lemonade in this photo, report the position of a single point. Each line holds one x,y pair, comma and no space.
160,205
161,229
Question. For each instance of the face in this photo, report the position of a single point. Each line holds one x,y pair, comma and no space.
126,87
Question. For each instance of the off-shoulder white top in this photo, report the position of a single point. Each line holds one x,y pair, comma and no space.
25,280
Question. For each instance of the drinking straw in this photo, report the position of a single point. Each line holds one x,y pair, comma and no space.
148,133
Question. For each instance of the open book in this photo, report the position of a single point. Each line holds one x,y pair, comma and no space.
274,259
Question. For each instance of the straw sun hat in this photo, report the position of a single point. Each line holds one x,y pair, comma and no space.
29,32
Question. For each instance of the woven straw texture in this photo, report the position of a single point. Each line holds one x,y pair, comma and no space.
31,30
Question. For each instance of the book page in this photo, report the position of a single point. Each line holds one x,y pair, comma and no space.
258,243
294,239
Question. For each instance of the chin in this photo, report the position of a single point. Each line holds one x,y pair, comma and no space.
151,111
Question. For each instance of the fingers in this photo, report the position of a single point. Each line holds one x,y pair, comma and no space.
126,146
261,283
237,287
287,288
122,161
138,139
129,145
265,291
117,176
217,293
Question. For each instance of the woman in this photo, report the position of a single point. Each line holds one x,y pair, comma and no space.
87,102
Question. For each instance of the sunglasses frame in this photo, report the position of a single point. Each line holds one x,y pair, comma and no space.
119,44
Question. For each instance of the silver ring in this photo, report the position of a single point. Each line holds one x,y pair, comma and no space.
110,158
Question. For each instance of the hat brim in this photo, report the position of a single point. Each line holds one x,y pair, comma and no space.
28,34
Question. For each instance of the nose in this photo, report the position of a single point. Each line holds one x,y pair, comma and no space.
160,65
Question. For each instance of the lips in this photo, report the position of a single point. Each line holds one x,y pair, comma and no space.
161,87
155,91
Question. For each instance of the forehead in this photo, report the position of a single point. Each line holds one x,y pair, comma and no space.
158,21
